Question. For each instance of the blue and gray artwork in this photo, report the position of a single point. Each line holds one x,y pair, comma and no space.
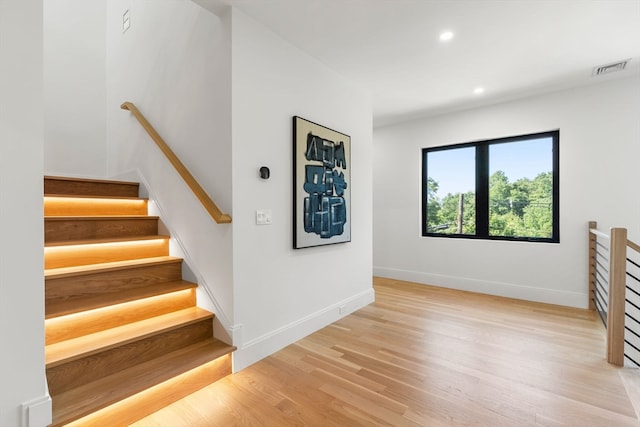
325,209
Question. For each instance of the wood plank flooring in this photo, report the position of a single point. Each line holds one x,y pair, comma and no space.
427,356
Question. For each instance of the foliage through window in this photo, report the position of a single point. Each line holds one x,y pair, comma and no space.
496,189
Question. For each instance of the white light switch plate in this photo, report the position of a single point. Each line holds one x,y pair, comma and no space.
263,217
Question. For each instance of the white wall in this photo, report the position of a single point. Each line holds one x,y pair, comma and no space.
204,82
75,88
222,92
174,64
22,375
599,176
282,294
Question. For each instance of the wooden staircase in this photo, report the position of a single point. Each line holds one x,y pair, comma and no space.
124,336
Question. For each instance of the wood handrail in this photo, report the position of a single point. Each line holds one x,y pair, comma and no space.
198,191
599,233
633,245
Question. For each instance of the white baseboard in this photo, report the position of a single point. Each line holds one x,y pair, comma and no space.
261,347
509,290
37,412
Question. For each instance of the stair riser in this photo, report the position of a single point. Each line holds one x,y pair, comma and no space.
58,257
152,390
71,294
150,401
63,230
63,328
119,317
89,188
112,281
75,373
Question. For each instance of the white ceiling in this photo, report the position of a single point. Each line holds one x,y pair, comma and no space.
512,48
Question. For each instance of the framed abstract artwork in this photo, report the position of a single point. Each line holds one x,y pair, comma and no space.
321,185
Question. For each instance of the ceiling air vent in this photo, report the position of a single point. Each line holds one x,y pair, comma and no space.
610,68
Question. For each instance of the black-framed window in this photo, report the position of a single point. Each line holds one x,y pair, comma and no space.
503,189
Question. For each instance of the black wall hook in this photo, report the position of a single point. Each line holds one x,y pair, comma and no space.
264,172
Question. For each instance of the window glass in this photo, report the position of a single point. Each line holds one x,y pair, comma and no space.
451,187
503,188
521,188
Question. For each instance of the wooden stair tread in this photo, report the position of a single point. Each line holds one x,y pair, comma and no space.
98,217
120,319
54,273
82,196
103,300
106,240
81,401
84,346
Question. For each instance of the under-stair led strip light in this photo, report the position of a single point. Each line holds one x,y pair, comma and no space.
124,243
57,204
140,399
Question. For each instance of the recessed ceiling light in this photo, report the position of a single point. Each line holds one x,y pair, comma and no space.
446,36
479,90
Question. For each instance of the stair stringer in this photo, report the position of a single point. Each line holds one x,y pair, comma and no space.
208,284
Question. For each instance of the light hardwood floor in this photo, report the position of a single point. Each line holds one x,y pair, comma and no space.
427,356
